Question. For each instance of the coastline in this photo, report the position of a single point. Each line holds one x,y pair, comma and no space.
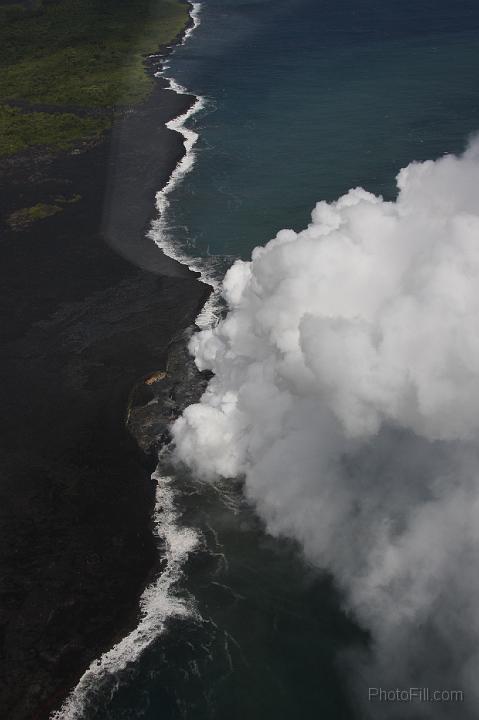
158,229
97,313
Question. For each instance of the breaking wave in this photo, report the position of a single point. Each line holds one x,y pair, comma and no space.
210,269
159,602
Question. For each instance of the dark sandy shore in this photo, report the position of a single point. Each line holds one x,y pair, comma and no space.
89,307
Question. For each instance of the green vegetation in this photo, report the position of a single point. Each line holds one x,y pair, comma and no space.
86,53
26,216
19,130
69,200
20,219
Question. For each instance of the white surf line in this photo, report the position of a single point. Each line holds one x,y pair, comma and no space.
158,603
158,232
195,16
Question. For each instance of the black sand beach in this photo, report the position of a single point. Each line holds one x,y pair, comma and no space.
89,307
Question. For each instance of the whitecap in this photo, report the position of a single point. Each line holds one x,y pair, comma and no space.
159,602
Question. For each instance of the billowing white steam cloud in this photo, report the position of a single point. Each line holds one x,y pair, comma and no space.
346,390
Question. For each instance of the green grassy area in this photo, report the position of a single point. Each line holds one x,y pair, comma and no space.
20,219
86,53
19,130
26,216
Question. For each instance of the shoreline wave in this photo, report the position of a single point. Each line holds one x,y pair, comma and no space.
158,602
158,232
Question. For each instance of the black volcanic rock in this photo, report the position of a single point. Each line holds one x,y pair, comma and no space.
89,307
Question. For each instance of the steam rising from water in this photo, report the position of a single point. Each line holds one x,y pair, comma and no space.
346,389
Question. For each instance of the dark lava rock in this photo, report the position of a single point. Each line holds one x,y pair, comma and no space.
88,309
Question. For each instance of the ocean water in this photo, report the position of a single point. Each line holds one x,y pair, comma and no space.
301,100
307,98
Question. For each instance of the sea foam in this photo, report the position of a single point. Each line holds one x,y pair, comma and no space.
159,231
159,602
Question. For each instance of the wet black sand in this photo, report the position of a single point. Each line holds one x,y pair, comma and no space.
88,307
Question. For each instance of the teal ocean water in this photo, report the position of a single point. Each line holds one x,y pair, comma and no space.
303,100
307,98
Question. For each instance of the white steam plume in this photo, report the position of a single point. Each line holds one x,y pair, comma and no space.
346,390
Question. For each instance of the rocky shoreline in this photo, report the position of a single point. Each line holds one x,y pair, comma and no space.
90,306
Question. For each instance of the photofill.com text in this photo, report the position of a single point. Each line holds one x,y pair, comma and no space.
414,694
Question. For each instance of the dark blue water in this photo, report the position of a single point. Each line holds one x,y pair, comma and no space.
306,98
312,97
